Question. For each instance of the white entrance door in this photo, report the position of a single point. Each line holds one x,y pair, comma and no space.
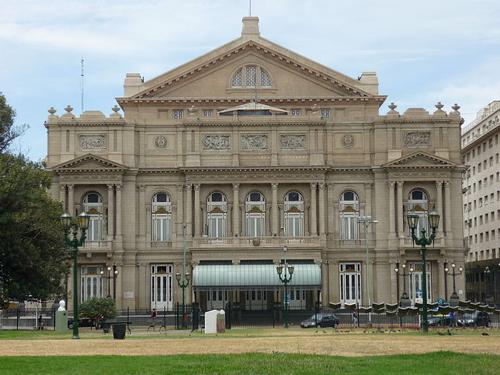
350,283
256,300
416,287
161,287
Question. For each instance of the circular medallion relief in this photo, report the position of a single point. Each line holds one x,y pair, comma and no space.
161,141
348,141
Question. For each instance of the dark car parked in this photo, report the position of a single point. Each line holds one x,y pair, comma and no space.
475,319
82,322
440,321
320,320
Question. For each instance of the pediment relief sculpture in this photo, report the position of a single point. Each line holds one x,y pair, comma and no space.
216,142
253,142
415,139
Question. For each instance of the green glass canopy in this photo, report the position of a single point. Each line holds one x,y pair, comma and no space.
253,275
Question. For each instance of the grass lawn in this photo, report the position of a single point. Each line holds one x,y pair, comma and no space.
433,363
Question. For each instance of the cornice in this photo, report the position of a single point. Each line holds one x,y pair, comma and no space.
250,45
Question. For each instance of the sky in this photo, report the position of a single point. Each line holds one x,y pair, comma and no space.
423,51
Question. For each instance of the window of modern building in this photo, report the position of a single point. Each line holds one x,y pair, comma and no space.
217,215
349,213
255,208
161,217
294,214
92,205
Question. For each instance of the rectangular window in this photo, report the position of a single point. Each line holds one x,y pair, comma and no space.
295,112
349,227
208,112
177,114
325,112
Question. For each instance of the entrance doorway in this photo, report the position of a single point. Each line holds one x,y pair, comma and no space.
161,287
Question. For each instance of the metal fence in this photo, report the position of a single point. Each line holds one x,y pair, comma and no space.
192,318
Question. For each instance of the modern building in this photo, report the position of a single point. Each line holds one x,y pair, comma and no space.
481,204
247,151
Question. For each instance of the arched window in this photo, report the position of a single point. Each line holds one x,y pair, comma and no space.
92,205
255,208
251,76
349,213
217,215
418,204
161,217
294,214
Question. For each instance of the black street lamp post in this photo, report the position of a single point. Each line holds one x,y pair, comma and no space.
454,296
112,275
423,241
404,301
71,227
183,280
285,273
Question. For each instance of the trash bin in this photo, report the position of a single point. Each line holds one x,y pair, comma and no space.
119,330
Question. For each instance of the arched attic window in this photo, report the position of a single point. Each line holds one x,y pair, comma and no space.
250,76
217,215
294,214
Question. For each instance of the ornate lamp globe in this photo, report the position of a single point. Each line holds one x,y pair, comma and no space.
83,221
66,221
412,220
434,219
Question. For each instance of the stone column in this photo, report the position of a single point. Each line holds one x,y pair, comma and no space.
391,209
180,211
197,211
439,205
441,279
71,200
334,281
399,209
322,204
447,209
118,211
274,209
394,283
236,210
314,230
331,205
111,213
189,210
62,196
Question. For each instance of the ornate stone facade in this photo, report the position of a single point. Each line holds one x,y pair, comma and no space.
235,181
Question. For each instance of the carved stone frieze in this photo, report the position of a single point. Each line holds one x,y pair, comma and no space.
93,142
292,142
251,142
216,142
416,139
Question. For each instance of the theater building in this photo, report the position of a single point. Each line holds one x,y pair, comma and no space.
242,153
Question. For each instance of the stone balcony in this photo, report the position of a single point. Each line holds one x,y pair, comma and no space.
250,242
103,246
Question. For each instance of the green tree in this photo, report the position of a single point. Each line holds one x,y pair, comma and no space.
33,256
98,309
8,132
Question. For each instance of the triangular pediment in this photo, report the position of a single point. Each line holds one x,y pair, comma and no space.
420,160
89,162
201,77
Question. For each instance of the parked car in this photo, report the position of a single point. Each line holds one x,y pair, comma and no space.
320,320
82,322
475,319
